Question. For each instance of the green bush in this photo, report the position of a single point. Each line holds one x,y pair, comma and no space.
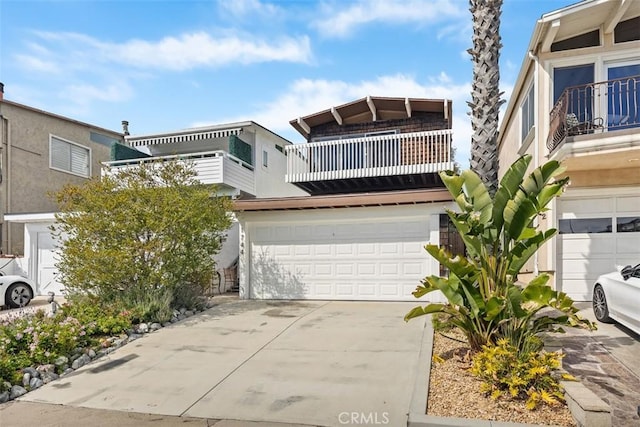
506,373
98,318
148,230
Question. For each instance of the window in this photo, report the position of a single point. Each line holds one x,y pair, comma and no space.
623,95
589,39
628,30
580,97
628,224
585,225
528,112
69,157
265,158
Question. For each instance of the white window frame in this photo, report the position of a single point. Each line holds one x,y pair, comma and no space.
265,159
528,104
71,143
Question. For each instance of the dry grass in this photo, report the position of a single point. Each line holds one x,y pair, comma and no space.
454,392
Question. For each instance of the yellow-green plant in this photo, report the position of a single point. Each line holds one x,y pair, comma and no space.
507,373
500,235
140,230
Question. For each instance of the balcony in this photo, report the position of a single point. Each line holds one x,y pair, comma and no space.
602,108
374,163
213,167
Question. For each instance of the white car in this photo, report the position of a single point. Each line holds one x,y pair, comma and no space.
616,296
16,291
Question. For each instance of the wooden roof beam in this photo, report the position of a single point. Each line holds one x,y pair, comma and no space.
305,127
372,107
616,16
407,105
550,36
336,115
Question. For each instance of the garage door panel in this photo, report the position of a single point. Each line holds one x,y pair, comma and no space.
587,244
585,256
370,260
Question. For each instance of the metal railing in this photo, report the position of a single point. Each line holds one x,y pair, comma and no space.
596,107
384,155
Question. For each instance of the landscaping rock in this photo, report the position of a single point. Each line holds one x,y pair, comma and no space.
182,317
155,326
174,319
143,328
31,371
91,353
61,361
67,371
182,310
16,391
165,324
118,342
47,377
4,397
45,368
35,383
26,378
188,313
134,337
80,361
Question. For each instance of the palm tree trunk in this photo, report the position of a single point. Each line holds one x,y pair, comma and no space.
485,94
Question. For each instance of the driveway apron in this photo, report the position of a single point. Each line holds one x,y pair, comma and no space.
312,362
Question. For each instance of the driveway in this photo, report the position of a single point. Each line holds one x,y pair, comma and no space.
313,363
606,362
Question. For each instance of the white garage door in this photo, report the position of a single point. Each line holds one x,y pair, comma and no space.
46,260
380,259
597,236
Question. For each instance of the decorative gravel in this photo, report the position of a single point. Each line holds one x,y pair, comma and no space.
454,392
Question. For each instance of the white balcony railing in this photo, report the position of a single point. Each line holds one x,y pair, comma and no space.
212,167
383,155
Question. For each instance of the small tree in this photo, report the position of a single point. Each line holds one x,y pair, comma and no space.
500,236
144,235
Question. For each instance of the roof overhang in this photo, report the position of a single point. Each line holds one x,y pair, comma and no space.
24,218
389,198
371,109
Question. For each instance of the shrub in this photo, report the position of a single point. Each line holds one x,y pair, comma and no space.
138,230
500,235
98,318
505,373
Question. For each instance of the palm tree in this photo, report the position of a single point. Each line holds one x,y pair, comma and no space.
485,93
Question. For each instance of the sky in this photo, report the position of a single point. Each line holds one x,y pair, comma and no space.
170,65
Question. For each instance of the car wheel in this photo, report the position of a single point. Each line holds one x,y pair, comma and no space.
18,295
600,307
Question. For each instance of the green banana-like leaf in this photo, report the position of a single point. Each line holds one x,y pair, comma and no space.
539,177
458,265
471,241
495,307
550,191
509,185
454,183
477,195
514,300
475,302
525,249
421,311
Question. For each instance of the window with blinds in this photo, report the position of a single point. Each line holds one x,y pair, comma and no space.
69,157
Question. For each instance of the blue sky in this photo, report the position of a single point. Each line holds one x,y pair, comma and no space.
170,65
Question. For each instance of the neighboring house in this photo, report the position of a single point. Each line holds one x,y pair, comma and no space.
577,100
244,160
40,152
371,168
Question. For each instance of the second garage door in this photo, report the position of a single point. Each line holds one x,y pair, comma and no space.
347,254
597,235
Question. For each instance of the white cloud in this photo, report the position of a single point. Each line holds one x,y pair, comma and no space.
340,19
33,63
307,96
183,52
246,7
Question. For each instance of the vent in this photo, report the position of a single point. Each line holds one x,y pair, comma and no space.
185,137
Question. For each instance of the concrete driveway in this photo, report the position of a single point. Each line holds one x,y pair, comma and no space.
312,363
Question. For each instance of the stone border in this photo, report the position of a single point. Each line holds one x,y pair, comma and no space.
587,409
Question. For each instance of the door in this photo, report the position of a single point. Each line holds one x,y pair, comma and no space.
623,96
46,260
363,259
597,235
